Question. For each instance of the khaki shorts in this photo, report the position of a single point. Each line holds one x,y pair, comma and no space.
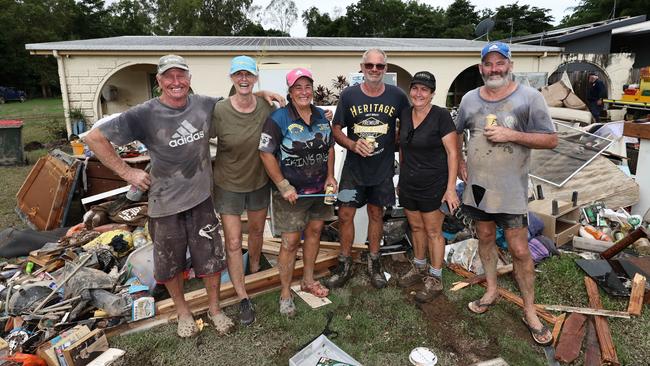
289,218
235,203
197,229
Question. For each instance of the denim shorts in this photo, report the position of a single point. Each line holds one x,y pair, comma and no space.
503,220
235,203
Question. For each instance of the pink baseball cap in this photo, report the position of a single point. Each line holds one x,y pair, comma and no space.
298,73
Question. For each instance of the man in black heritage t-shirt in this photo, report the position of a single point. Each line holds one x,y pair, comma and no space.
369,111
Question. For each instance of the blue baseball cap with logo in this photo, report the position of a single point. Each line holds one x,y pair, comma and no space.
499,47
243,63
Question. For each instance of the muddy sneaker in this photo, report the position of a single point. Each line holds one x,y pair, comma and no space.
287,307
413,276
341,274
377,278
246,312
432,288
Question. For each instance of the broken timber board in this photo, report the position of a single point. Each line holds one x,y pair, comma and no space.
481,278
506,294
588,311
557,327
607,350
636,295
635,235
262,279
592,350
573,332
327,244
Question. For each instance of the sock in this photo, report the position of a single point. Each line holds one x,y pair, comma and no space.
435,272
419,262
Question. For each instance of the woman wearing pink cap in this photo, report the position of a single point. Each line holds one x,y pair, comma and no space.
297,149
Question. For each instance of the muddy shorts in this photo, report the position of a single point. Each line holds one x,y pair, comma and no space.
196,229
353,195
289,218
234,203
503,220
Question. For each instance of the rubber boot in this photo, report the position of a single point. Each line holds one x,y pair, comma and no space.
341,274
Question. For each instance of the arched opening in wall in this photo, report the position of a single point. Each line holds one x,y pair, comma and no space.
403,77
127,87
468,79
578,72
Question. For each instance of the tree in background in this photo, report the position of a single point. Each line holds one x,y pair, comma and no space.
130,17
461,18
322,25
282,14
588,11
519,20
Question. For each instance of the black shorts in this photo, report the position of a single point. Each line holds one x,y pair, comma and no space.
422,205
353,195
197,229
503,220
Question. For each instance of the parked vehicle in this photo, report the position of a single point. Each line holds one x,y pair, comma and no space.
9,93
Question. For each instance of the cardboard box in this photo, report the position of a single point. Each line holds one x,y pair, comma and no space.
86,348
47,350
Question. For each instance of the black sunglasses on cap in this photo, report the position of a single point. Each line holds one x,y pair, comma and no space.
370,65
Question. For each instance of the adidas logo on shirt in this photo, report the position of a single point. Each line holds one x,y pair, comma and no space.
185,134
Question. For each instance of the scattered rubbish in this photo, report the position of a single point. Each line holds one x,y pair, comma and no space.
319,348
603,273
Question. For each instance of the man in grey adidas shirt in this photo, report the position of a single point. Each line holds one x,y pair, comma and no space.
175,129
506,121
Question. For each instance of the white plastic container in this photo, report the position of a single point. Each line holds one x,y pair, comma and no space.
321,347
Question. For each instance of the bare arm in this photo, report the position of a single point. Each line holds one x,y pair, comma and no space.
462,164
451,147
104,151
529,139
273,170
270,96
330,180
361,146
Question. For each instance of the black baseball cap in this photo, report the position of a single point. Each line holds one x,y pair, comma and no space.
424,78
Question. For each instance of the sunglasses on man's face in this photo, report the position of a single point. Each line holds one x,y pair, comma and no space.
370,65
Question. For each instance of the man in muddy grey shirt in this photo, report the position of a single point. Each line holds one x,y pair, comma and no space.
506,121
175,129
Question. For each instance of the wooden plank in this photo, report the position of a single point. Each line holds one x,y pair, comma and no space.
635,235
557,327
253,281
592,350
607,350
573,332
588,311
636,296
481,278
506,294
326,244
640,130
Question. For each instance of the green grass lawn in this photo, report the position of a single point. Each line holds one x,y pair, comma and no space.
381,327
42,118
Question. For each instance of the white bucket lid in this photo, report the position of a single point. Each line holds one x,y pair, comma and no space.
422,356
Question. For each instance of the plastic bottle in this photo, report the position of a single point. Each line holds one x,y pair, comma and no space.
597,234
135,194
139,237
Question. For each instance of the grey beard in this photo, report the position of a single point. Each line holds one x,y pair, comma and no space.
496,84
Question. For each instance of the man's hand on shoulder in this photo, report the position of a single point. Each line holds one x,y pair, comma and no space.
137,177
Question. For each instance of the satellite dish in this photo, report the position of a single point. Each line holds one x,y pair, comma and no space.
484,27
